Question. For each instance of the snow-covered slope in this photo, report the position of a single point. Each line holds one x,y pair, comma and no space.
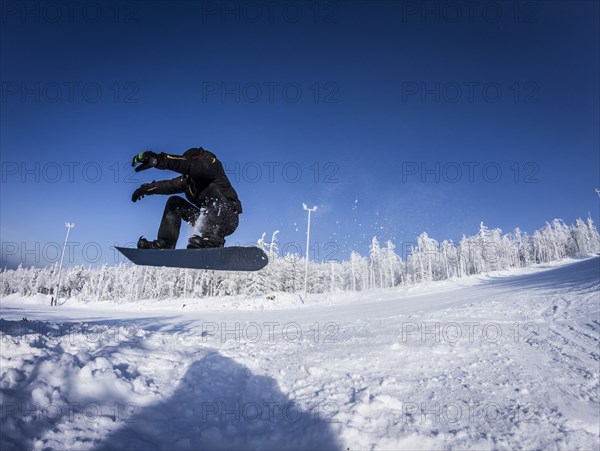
500,361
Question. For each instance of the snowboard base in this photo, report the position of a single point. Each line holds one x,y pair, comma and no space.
234,258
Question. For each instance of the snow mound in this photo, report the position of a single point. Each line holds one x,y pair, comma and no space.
497,361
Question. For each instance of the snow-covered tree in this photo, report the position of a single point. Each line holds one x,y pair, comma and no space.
429,260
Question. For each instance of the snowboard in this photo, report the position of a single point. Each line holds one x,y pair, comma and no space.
234,258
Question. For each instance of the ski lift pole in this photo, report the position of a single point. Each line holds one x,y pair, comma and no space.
310,210
69,226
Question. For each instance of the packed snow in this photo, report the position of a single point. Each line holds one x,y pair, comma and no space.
503,360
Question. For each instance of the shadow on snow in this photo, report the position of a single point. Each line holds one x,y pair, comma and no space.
220,404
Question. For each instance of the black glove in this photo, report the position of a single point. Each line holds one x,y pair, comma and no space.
147,160
140,192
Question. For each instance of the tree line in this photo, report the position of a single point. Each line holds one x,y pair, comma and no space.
428,260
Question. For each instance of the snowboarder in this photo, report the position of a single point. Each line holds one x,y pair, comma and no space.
213,206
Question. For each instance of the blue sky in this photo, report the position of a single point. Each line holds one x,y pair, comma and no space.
393,118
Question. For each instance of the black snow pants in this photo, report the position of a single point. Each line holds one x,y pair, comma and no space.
217,219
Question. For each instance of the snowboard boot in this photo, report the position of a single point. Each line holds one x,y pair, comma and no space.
143,243
203,242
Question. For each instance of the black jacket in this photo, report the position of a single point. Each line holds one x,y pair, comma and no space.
203,179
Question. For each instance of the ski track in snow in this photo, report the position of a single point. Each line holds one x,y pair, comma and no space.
503,361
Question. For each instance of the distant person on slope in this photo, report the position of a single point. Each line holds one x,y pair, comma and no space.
213,206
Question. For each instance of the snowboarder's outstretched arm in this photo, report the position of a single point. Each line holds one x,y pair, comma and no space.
204,166
174,186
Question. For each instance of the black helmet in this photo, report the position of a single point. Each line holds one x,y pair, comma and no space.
194,152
